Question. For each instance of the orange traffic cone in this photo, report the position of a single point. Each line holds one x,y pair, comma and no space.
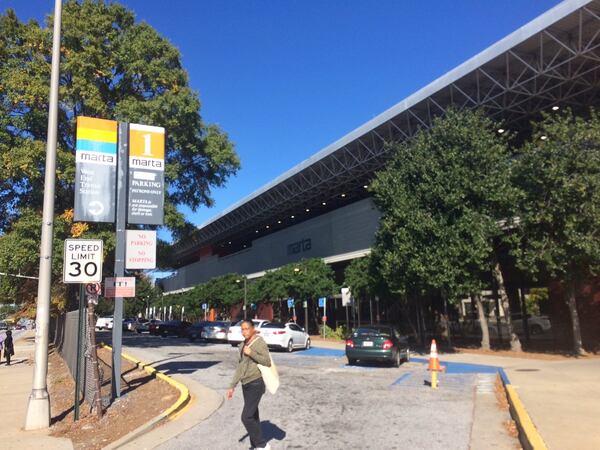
434,364
434,360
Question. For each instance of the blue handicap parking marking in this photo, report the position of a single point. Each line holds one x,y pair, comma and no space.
355,367
461,368
404,377
322,352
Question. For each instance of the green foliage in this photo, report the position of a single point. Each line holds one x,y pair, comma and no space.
304,280
358,277
559,177
220,292
113,68
19,254
330,333
442,198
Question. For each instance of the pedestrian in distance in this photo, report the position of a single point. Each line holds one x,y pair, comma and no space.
9,349
253,351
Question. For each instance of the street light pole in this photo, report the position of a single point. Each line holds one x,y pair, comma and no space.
38,409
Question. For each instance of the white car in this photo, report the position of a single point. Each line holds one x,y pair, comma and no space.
104,323
285,335
234,334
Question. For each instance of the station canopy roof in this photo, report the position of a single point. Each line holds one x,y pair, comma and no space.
551,62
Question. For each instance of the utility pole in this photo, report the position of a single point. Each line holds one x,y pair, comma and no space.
38,408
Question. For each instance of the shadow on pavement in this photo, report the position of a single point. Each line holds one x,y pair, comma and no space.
184,367
270,431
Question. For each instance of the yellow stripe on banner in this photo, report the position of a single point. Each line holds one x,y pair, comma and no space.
96,124
97,135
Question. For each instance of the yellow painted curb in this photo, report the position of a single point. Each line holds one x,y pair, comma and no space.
530,437
184,393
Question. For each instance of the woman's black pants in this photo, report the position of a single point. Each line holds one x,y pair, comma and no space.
253,392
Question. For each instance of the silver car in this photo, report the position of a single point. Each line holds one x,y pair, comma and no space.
215,331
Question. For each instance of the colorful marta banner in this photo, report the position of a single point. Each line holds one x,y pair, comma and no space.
95,170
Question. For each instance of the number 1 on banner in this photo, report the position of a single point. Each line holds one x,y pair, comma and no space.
148,145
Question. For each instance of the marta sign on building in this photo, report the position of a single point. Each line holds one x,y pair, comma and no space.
95,170
146,174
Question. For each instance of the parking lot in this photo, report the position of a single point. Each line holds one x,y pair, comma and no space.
324,403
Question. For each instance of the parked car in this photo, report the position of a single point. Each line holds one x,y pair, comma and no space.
285,336
377,343
3,325
194,331
536,324
215,331
234,334
104,323
169,328
144,326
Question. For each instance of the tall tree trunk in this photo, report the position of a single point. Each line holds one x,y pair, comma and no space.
515,343
405,308
446,319
485,332
572,304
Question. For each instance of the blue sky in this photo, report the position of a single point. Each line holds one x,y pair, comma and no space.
286,78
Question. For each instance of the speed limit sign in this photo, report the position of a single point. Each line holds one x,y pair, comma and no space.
82,261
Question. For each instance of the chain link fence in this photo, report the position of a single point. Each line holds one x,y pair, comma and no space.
63,333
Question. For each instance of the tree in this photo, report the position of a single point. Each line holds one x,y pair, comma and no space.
304,280
357,276
114,68
558,171
442,215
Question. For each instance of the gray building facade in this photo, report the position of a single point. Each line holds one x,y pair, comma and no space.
343,231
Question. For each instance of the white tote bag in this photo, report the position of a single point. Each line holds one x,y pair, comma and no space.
270,375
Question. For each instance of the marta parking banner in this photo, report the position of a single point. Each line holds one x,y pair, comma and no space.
95,170
146,174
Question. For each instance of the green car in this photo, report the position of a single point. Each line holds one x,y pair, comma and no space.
377,343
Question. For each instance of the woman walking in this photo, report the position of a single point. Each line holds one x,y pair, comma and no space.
9,349
253,351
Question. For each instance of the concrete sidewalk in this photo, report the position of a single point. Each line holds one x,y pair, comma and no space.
15,388
561,396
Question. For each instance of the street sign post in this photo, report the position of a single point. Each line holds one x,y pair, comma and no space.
82,262
346,299
323,304
140,250
146,175
95,170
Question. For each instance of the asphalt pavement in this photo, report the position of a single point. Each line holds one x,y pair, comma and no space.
325,404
